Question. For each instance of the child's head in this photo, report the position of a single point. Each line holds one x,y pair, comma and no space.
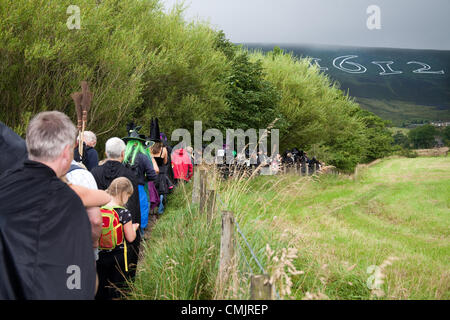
120,189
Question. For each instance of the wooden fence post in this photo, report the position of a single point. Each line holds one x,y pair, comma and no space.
210,205
260,288
307,170
196,186
203,185
226,246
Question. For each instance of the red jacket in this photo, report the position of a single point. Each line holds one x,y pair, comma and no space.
182,165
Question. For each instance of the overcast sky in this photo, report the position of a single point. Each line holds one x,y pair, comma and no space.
420,24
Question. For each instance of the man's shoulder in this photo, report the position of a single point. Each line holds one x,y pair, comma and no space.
91,151
82,177
98,169
56,185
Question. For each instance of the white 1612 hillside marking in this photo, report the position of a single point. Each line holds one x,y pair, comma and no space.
343,62
425,68
388,66
359,67
315,62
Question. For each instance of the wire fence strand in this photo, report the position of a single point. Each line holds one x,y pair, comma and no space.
248,246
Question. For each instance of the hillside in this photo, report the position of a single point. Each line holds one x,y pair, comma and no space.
394,215
399,91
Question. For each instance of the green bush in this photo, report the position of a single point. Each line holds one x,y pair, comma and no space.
139,62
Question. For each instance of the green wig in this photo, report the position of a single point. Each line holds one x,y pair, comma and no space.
133,148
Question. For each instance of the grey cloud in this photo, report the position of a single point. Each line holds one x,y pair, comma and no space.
405,23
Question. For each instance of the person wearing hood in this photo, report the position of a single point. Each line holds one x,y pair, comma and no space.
111,169
182,166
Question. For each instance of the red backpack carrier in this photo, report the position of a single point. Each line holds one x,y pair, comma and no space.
112,232
112,229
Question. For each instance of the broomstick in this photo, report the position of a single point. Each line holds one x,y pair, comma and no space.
77,98
82,101
86,105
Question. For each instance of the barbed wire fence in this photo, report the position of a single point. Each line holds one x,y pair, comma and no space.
251,250
236,252
246,261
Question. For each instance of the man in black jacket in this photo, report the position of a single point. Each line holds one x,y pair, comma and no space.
45,234
105,174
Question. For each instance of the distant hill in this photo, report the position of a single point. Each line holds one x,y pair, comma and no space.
402,85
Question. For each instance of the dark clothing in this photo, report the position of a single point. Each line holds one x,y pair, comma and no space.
111,170
160,160
104,175
45,237
89,159
111,274
145,171
13,150
111,265
163,183
170,172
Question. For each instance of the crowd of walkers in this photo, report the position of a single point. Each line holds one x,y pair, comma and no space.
71,225
246,163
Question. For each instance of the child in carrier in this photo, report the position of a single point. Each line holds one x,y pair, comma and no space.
117,229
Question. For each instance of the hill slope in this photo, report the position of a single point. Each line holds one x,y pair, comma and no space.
423,94
396,208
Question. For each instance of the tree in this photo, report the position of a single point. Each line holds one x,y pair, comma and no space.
401,139
377,134
446,136
252,100
139,61
423,136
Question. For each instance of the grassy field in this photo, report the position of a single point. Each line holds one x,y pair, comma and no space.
392,218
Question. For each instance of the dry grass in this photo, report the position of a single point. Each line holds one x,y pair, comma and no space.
435,152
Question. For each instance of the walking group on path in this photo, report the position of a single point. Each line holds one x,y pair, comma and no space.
70,225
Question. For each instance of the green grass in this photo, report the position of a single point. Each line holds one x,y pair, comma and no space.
341,225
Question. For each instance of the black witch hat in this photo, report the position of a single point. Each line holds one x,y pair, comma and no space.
133,133
155,134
